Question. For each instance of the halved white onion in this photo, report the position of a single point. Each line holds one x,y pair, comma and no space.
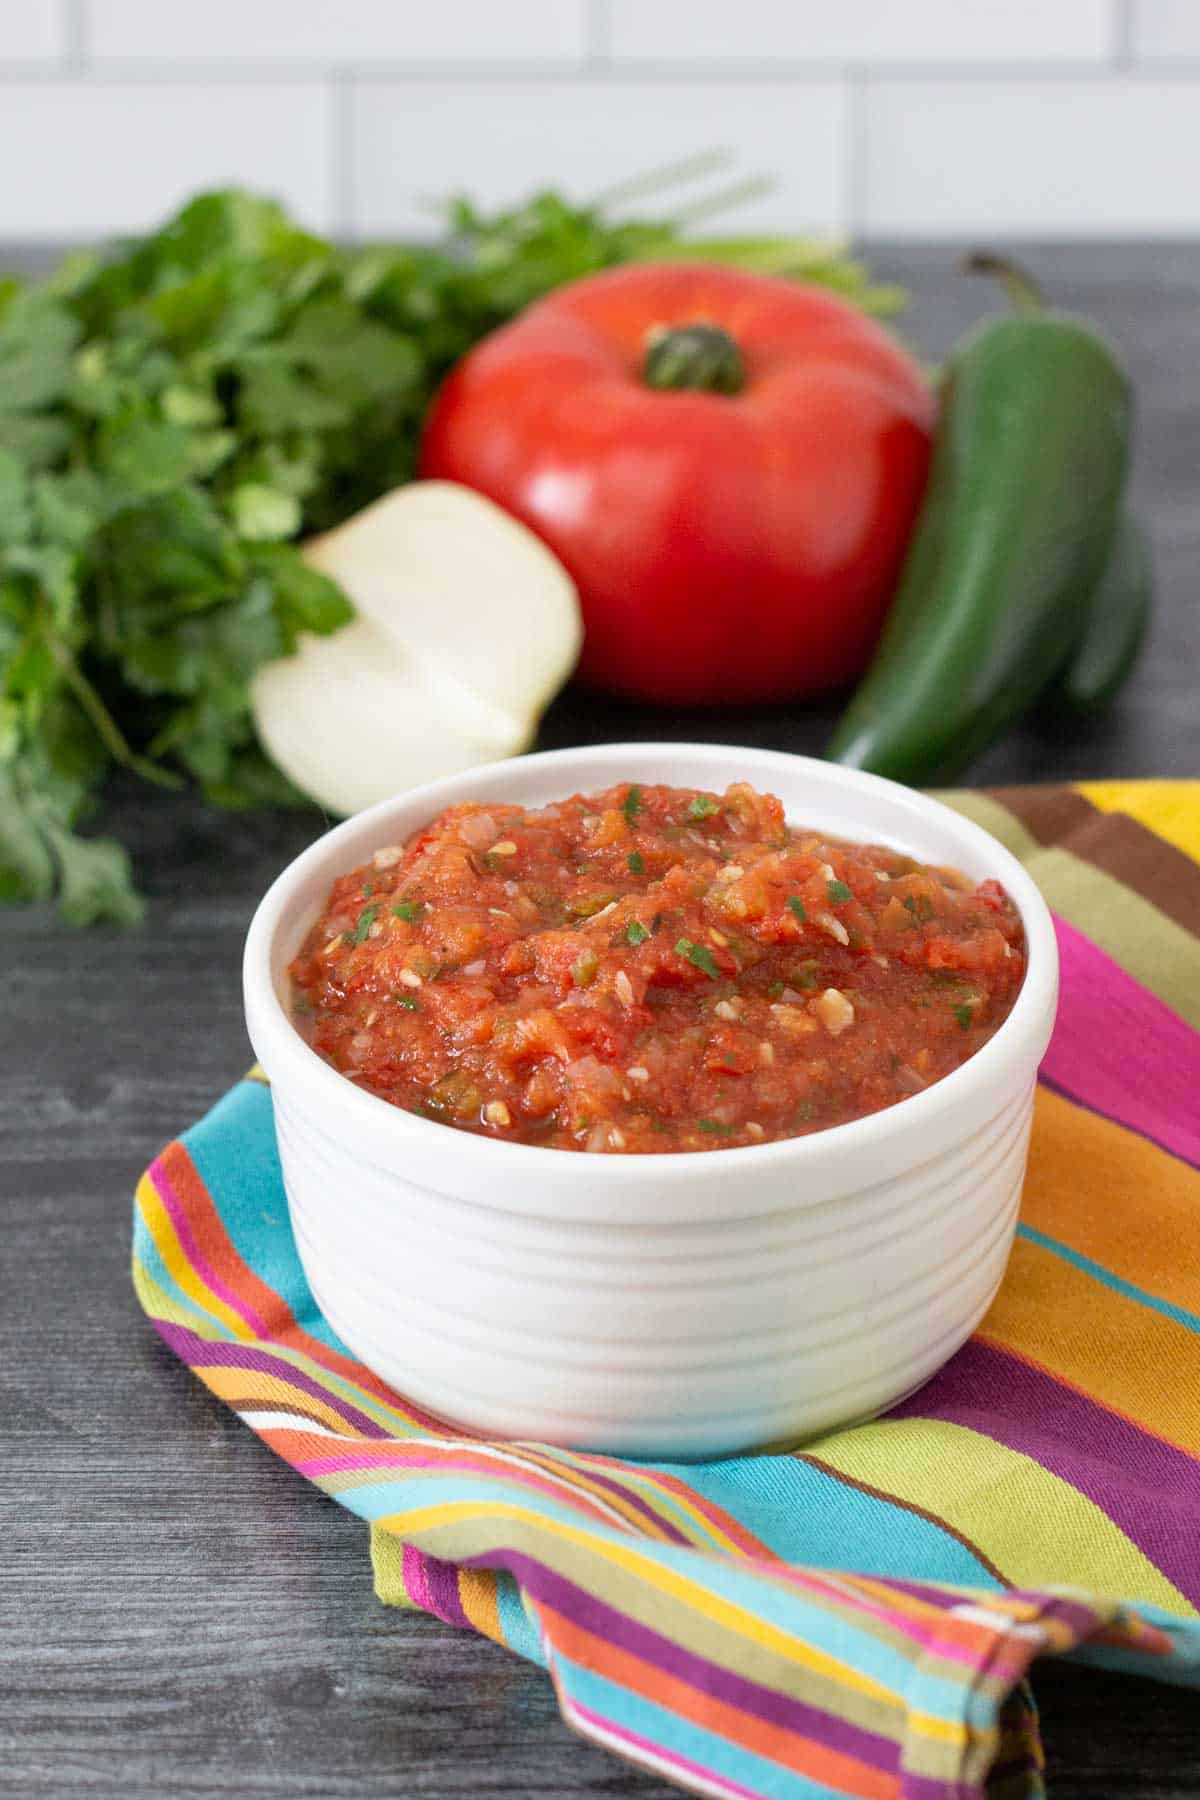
468,626
352,719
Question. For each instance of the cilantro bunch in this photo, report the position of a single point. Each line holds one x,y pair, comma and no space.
174,414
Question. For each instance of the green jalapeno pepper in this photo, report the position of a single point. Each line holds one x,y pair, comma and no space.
1016,529
1115,625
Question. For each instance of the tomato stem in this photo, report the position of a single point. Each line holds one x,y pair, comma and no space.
700,357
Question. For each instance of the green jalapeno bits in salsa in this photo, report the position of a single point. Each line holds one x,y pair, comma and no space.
651,969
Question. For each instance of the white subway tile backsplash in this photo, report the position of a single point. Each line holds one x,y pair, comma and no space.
357,32
413,141
1030,158
862,31
32,31
97,158
916,118
1163,30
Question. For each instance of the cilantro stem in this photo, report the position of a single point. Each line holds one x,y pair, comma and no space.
653,181
753,187
102,721
124,516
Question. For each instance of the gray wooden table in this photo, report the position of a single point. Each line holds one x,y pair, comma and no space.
180,1613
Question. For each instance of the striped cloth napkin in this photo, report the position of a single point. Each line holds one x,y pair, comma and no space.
858,1617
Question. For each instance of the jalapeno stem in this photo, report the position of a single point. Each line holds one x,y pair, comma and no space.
1023,290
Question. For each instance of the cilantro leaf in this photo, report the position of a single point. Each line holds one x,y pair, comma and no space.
700,955
96,880
15,514
37,343
264,513
27,868
304,599
40,851
177,410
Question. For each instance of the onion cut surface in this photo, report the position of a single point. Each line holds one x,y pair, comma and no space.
467,628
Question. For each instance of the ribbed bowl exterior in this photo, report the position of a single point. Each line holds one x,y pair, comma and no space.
671,1305
677,1340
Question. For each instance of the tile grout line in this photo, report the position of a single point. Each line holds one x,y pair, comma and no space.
1179,71
599,35
854,148
75,37
341,152
1123,57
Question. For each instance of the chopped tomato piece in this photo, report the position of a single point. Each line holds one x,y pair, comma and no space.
651,969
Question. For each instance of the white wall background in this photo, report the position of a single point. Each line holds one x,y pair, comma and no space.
900,118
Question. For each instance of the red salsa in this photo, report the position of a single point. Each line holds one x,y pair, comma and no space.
651,968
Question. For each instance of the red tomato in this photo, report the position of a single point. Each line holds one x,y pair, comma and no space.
727,546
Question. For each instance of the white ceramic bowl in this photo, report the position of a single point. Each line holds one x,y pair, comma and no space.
673,1305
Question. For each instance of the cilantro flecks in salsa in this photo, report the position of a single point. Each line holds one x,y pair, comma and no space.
651,968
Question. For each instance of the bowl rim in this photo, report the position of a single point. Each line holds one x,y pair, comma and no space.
277,1041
